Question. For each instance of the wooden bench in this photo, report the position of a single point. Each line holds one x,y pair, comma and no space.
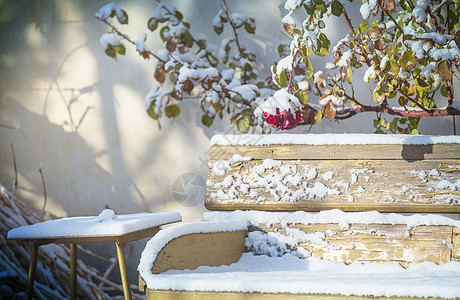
317,217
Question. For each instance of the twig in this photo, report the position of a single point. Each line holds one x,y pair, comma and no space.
44,192
350,111
439,6
348,21
292,71
194,40
15,180
127,38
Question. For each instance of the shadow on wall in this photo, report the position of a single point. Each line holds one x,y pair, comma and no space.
54,148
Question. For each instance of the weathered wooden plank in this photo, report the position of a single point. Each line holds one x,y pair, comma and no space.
200,249
350,185
456,245
191,295
339,152
374,242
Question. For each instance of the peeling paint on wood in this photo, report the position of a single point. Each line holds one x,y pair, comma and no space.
376,242
353,185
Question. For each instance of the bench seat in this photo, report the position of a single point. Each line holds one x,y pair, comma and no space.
294,272
317,217
291,275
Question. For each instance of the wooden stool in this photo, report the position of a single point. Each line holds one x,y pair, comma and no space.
121,229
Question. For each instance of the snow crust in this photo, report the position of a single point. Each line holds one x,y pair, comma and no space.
331,139
329,216
290,274
107,223
108,39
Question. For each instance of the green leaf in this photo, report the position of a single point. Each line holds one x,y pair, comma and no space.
120,49
152,24
280,49
250,25
218,28
322,52
172,111
297,31
325,41
302,96
336,8
123,19
308,65
408,61
308,74
179,15
318,14
283,78
260,84
173,77
110,51
151,112
162,33
243,124
206,120
187,39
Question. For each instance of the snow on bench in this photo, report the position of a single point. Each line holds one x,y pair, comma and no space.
106,224
266,184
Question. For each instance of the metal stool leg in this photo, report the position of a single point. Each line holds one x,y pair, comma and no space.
73,271
32,269
123,271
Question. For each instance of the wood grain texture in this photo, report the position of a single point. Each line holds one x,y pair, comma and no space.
339,152
201,249
356,185
456,244
189,295
381,243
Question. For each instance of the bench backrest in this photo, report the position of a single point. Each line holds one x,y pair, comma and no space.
346,172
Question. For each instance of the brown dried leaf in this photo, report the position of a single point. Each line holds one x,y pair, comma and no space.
170,45
329,110
309,116
144,54
289,28
374,32
183,49
188,86
445,70
379,44
160,73
343,72
388,5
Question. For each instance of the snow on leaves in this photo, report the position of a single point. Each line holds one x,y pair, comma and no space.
409,52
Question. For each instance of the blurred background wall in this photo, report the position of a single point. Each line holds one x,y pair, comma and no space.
79,115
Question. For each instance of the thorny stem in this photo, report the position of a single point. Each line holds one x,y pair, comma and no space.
345,113
126,37
348,21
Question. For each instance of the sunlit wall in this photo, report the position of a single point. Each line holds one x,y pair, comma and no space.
80,116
